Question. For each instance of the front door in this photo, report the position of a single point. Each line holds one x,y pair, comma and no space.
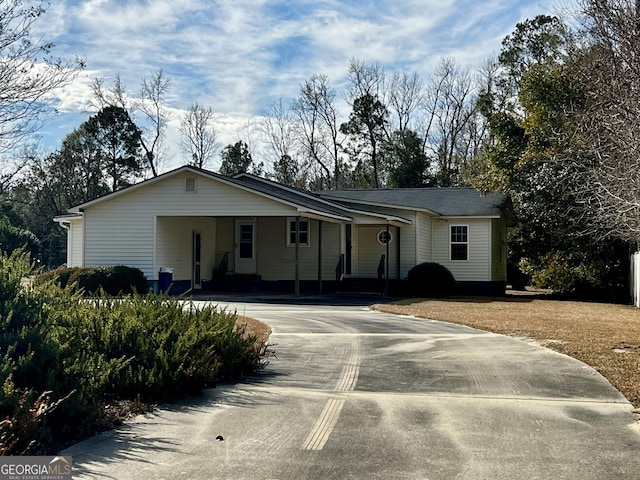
246,246
197,260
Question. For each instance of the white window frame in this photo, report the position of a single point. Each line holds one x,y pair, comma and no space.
452,243
384,232
291,221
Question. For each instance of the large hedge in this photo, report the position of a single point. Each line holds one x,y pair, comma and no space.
431,280
117,280
64,358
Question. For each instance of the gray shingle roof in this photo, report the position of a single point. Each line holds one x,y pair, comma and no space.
342,203
291,195
307,199
453,202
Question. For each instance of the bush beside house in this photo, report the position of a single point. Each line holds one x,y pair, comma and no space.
431,280
117,280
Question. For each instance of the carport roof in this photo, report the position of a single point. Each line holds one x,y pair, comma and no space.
296,196
309,200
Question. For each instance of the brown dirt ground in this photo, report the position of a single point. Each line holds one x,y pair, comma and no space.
604,336
255,328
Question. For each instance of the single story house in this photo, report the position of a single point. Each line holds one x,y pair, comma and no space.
217,232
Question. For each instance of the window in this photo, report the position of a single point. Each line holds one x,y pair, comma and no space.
459,242
291,232
384,237
190,184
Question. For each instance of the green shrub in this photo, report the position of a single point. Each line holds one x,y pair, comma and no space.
60,275
90,280
29,360
566,274
124,280
63,358
155,347
431,280
117,280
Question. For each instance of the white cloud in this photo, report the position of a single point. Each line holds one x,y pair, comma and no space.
238,56
78,95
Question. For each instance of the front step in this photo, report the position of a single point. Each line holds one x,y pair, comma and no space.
235,283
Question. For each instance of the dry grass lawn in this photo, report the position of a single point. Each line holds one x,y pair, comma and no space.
605,336
254,328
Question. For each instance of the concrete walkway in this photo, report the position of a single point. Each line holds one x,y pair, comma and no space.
356,394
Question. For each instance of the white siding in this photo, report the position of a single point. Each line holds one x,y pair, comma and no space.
75,243
174,245
119,239
408,239
478,266
120,231
423,238
276,261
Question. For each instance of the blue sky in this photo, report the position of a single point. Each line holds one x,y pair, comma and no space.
239,56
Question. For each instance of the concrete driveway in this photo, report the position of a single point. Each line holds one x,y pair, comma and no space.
356,394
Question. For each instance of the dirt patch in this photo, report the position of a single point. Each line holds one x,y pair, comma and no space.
595,333
254,328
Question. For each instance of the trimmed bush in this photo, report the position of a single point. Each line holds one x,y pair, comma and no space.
431,280
58,275
88,279
118,280
124,280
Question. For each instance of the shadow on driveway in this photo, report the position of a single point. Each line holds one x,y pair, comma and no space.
152,434
341,300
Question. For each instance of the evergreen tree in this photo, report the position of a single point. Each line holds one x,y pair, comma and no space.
237,159
405,162
366,127
117,143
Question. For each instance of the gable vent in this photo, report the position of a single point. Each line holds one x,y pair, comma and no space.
190,184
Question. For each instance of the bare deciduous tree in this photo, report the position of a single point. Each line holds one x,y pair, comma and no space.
199,135
366,79
116,96
608,72
28,74
405,93
280,131
315,114
153,94
449,108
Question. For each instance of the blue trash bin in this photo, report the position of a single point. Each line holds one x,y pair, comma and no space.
165,279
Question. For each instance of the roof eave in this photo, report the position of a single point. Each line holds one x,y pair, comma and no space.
468,217
323,216
67,218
